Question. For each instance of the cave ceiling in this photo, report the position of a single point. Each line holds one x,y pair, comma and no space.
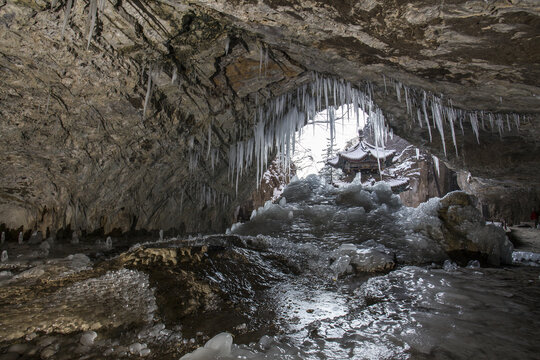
86,144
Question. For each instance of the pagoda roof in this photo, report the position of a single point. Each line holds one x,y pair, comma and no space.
362,150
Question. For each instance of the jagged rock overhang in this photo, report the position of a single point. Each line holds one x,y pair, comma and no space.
81,153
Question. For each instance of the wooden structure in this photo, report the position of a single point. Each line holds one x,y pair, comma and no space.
363,157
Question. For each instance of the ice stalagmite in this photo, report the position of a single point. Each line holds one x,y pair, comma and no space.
108,243
3,238
4,256
20,238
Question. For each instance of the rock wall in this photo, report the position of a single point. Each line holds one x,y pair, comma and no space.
127,125
429,183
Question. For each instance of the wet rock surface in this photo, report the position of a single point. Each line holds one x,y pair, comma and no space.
319,284
87,147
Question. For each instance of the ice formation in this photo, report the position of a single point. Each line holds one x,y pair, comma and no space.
108,243
402,234
69,4
74,238
92,13
4,257
3,237
161,235
88,337
221,347
526,258
277,121
20,238
227,44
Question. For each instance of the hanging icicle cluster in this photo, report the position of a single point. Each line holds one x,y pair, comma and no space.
277,122
422,105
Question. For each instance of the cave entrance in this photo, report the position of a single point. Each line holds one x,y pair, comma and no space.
320,140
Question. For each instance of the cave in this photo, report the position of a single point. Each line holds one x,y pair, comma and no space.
125,121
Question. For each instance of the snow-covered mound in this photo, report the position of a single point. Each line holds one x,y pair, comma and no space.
372,216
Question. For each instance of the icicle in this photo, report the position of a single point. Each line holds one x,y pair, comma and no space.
93,14
260,60
437,116
451,117
474,124
174,75
424,99
436,163
20,238
417,154
419,117
66,16
227,43
407,100
384,79
148,93
209,141
265,61
398,91
500,125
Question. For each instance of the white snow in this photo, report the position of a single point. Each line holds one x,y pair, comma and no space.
363,149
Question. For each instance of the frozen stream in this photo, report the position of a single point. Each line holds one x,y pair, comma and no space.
327,273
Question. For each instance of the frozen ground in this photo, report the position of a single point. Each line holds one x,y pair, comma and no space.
326,273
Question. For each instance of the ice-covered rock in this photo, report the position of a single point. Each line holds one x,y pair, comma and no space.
87,338
219,346
450,266
372,260
139,349
341,266
34,272
526,258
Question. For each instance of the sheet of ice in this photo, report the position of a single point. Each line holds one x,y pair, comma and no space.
526,258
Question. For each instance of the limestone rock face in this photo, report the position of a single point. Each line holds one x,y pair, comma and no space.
127,125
